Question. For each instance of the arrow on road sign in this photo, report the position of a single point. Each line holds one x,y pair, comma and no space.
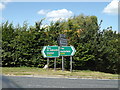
50,51
67,51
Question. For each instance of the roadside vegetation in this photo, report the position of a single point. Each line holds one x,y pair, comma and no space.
96,49
39,72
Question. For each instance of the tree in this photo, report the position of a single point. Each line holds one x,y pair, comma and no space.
95,49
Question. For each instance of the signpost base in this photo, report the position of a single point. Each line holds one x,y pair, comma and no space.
48,62
55,64
62,63
70,63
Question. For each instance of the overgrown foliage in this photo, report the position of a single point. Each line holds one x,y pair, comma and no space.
97,49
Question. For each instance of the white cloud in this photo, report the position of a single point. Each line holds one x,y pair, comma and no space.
111,8
62,14
43,12
3,3
2,6
2,18
44,26
6,1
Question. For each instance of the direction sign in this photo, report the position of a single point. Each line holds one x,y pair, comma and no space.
67,51
62,41
50,51
62,36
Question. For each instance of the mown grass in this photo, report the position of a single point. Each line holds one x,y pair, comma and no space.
58,73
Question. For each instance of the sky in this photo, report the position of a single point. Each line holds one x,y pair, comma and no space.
18,12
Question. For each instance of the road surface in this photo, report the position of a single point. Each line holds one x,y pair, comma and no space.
37,82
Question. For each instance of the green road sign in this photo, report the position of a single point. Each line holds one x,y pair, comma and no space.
50,51
67,51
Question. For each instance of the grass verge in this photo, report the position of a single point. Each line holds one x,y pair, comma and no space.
18,71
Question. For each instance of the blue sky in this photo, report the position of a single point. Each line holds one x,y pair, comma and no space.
18,12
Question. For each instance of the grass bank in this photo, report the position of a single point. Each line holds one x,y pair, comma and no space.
18,71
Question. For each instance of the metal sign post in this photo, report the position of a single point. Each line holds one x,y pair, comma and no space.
48,62
55,64
62,63
70,63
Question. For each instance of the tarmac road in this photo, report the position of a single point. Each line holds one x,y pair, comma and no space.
38,82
